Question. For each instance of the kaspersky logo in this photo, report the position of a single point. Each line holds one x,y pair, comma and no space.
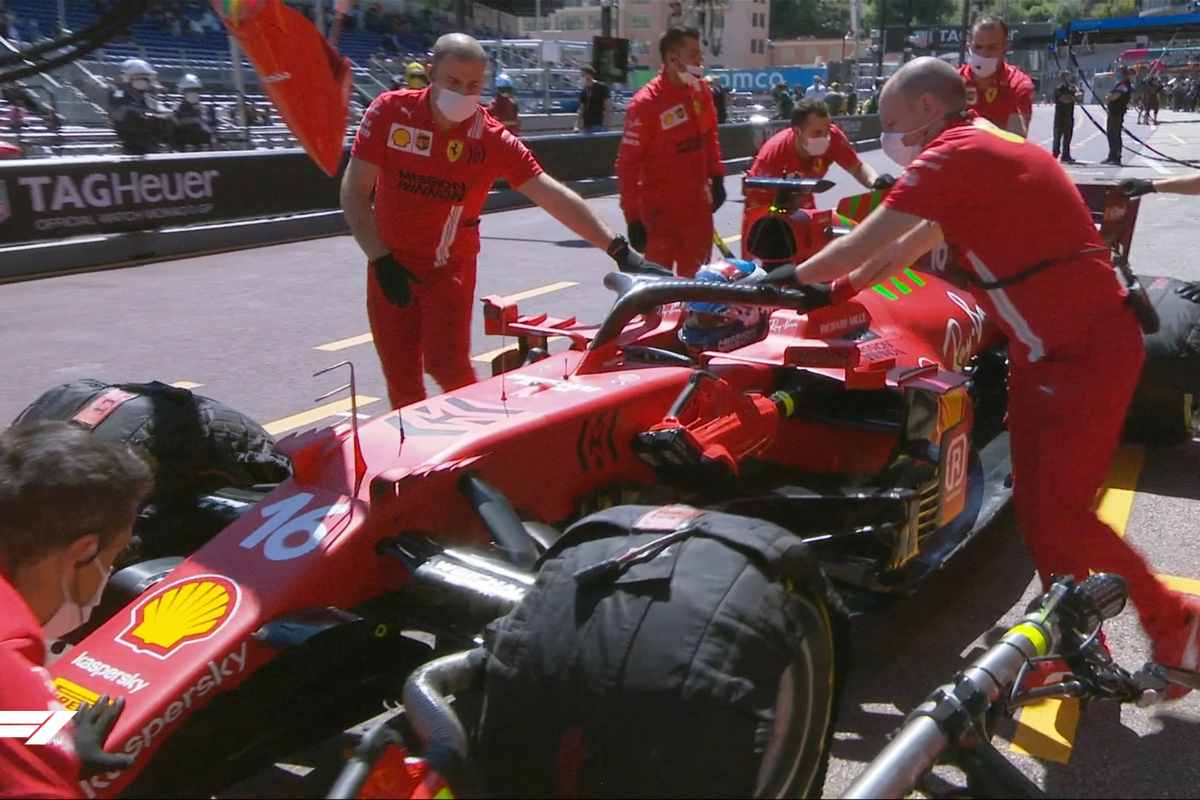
181,613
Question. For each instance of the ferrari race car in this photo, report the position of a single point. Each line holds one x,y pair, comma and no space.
871,430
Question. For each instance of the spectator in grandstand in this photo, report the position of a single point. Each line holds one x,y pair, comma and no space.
428,158
817,90
996,90
504,106
1066,95
593,102
68,501
720,97
192,118
140,122
1118,103
851,99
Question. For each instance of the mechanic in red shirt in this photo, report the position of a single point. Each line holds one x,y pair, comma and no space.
429,157
67,506
1038,266
996,90
808,149
669,163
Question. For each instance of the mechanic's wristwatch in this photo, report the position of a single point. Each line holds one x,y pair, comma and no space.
617,248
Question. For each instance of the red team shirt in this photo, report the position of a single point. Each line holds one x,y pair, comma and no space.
778,158
670,149
49,770
1007,205
1011,93
433,183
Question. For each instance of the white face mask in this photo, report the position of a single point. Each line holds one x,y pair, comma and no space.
71,614
456,107
983,67
141,84
816,146
191,97
690,75
894,147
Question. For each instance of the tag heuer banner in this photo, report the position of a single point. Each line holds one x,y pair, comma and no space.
56,198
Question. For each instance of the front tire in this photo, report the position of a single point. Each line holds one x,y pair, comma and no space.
1161,416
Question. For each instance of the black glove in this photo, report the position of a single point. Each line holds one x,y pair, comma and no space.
1136,187
637,235
633,262
884,181
718,191
92,724
394,280
1189,291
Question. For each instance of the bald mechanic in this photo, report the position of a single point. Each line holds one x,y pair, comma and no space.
669,163
430,156
996,90
1075,348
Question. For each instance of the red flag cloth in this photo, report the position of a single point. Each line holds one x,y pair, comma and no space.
306,79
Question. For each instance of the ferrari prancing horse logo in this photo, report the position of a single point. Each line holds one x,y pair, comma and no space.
991,94
454,149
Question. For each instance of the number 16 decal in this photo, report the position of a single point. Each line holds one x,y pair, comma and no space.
286,533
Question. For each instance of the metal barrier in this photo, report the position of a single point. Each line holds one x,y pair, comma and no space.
42,200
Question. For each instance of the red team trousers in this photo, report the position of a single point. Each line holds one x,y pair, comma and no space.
1065,416
432,334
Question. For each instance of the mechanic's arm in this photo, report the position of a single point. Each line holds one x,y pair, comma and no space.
899,254
1018,123
568,208
357,185
1184,184
865,174
881,229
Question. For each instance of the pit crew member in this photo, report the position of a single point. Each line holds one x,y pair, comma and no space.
430,156
67,505
807,149
1075,349
669,162
996,90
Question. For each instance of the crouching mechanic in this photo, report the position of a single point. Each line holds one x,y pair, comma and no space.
67,506
1075,348
669,163
430,156
808,148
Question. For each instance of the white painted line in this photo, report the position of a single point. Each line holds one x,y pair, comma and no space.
1154,165
1176,138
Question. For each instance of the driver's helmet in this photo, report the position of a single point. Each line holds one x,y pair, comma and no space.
719,326
415,76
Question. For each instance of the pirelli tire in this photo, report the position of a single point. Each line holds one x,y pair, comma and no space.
797,754
1162,415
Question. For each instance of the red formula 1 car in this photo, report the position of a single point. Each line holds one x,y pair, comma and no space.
873,429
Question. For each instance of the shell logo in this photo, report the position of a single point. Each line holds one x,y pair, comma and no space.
401,137
183,612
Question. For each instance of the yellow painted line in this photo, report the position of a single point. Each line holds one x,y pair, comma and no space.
315,415
540,290
186,385
1047,730
1117,500
342,344
1177,584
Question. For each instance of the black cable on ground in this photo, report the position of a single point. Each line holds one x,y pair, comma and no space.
74,46
1103,129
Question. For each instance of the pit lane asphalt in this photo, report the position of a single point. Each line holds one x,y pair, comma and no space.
245,327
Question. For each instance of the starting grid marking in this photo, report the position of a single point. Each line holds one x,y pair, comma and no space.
1047,730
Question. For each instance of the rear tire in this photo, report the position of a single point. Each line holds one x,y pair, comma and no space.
1161,416
797,754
